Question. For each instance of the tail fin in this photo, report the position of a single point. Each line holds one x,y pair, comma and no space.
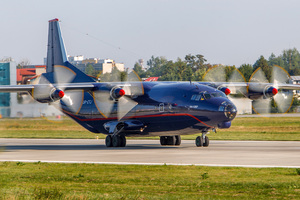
56,54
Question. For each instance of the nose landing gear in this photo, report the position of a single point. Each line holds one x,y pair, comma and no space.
202,141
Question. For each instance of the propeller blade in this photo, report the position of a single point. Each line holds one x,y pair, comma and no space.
72,101
136,88
284,98
42,88
63,74
215,74
279,75
258,76
262,106
125,105
237,77
104,103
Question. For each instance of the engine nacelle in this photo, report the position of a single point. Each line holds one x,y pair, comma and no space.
46,94
258,91
225,90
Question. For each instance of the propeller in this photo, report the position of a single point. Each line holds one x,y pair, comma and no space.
55,93
282,98
118,98
232,86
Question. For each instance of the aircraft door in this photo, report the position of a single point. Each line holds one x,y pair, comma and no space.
161,107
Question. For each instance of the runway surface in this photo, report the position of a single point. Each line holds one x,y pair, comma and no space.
219,153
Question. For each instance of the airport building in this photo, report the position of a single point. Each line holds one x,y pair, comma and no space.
21,105
101,65
7,77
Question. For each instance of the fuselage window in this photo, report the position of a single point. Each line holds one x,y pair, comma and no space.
193,97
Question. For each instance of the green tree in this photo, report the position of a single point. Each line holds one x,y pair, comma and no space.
198,75
89,70
155,64
291,59
114,76
138,69
246,70
196,62
263,64
228,71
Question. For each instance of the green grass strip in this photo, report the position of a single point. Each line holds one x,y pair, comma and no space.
92,181
248,128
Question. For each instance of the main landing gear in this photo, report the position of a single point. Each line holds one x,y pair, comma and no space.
202,141
115,141
170,140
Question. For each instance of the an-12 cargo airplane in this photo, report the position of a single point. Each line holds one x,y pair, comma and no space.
135,108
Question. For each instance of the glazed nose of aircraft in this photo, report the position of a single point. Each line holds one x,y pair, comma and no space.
230,111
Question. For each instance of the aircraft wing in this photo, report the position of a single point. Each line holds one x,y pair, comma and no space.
284,86
288,86
27,88
16,88
65,86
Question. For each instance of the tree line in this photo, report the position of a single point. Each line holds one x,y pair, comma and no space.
194,67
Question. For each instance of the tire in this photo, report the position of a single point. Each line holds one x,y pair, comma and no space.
116,141
199,141
123,141
163,140
171,140
177,140
206,142
108,141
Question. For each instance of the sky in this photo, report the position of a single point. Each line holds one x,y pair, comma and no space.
230,32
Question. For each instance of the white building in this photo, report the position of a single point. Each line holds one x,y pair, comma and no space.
75,59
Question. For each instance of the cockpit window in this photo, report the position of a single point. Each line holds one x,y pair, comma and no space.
198,98
206,95
218,94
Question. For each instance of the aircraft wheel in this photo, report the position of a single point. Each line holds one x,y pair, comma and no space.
116,141
163,140
108,141
199,141
206,142
123,141
178,140
171,140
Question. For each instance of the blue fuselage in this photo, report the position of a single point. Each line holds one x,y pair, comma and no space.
165,108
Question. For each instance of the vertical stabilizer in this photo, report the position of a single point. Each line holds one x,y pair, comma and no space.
56,54
57,57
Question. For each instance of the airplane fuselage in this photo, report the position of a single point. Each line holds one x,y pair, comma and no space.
165,108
